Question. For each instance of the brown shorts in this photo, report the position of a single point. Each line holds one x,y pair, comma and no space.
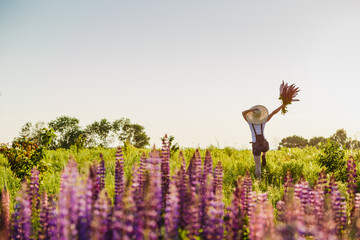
260,146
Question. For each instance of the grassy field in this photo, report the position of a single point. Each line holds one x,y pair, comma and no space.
300,162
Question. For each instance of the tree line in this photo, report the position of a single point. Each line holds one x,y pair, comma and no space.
340,136
65,132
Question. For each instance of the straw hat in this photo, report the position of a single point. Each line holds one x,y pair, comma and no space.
258,116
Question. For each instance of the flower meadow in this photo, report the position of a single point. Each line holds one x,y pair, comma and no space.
188,203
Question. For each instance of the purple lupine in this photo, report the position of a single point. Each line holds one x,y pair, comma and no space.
99,223
193,214
245,195
143,167
194,169
234,223
152,197
119,175
212,224
44,217
352,176
68,202
138,198
208,166
172,212
218,180
4,213
292,226
101,173
85,210
33,191
21,218
288,183
53,233
123,222
339,212
355,219
165,168
184,194
261,218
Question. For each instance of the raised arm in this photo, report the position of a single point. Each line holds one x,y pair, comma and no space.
275,112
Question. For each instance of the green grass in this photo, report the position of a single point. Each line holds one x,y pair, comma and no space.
300,162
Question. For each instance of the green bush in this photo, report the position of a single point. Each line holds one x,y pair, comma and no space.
332,157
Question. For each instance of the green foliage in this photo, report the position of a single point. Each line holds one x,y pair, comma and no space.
293,142
315,141
67,130
332,158
24,155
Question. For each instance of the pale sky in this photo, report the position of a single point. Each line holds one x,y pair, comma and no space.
185,68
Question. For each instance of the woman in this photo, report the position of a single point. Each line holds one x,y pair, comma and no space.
257,117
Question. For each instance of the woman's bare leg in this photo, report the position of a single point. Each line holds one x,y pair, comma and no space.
257,167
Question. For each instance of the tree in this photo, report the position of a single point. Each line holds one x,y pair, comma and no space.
315,141
340,137
99,133
132,133
67,129
32,131
293,142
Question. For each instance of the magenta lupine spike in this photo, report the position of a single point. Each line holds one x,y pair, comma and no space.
261,218
44,217
245,196
184,194
99,223
22,215
119,175
4,213
123,222
53,233
85,210
208,166
212,224
292,226
352,178
143,168
165,168
194,215
68,202
34,196
172,212
355,219
234,223
194,169
101,173
152,197
218,180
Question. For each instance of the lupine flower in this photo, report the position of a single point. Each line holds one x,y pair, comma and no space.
101,173
193,214
172,212
100,224
21,218
261,218
44,217
124,218
352,176
119,175
194,169
68,202
212,224
208,166
218,180
152,197
85,210
165,168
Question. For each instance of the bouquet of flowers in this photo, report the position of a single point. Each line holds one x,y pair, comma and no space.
287,95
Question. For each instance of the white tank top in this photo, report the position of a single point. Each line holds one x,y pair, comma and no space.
257,129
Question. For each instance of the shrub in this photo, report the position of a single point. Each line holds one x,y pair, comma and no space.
332,158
